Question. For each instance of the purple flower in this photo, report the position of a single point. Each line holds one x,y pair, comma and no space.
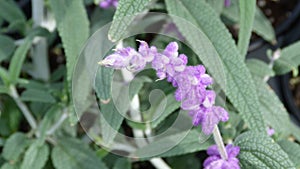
191,81
108,3
270,131
227,3
215,161
169,63
130,58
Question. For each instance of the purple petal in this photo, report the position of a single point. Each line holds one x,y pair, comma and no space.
221,113
232,151
213,150
171,50
209,160
104,4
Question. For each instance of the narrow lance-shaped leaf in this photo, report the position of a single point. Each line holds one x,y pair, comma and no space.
247,13
261,25
18,59
126,11
218,52
73,28
10,11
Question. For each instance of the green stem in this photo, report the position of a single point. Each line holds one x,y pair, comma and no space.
219,142
14,94
39,51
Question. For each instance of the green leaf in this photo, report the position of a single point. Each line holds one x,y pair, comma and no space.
258,150
295,131
170,106
73,28
259,68
122,163
7,47
74,154
10,11
35,95
36,156
292,149
289,59
261,24
18,59
192,142
217,5
263,27
15,146
126,11
9,166
217,50
4,90
136,85
272,109
247,13
4,75
111,121
103,83
47,119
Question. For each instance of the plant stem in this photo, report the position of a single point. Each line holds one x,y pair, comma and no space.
57,124
28,115
41,68
219,142
136,116
275,56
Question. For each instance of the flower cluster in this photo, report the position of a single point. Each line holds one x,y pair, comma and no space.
108,3
214,161
191,81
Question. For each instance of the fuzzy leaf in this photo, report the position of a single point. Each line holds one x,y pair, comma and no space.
36,156
272,109
192,142
247,13
73,28
289,59
259,68
74,154
18,59
217,50
292,149
126,11
11,12
15,146
261,24
170,106
7,47
260,151
34,95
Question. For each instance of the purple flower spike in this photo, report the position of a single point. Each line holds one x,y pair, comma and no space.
191,81
214,161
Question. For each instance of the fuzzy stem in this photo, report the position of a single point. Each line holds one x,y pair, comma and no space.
39,50
219,142
14,94
63,117
135,114
275,56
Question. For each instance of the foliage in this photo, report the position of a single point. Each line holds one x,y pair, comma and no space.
41,127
